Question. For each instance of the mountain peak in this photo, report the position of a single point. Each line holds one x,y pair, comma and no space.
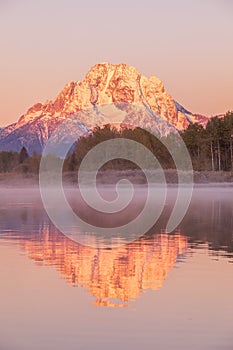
104,84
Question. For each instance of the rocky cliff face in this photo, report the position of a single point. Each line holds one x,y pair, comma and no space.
105,84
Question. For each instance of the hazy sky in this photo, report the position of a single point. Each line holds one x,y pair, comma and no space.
47,43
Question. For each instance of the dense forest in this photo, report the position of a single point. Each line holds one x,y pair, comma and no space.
210,148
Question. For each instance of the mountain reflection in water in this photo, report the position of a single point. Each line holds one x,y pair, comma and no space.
115,276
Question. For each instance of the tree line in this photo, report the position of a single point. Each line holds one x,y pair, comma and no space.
19,162
210,148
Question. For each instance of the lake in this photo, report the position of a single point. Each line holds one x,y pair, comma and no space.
161,291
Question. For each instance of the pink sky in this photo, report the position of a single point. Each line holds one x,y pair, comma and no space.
186,43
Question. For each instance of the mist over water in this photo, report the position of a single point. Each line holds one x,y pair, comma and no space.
209,216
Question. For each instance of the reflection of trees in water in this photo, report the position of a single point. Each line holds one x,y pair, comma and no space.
210,222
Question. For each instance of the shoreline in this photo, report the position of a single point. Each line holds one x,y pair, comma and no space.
111,177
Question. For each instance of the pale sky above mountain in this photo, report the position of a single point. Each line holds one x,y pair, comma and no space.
47,43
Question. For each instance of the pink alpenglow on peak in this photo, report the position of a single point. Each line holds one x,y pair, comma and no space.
104,86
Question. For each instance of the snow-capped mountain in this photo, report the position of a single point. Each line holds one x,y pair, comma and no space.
105,96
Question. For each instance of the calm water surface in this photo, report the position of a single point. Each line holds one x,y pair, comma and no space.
162,291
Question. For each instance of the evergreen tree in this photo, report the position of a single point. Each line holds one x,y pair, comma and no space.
23,155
